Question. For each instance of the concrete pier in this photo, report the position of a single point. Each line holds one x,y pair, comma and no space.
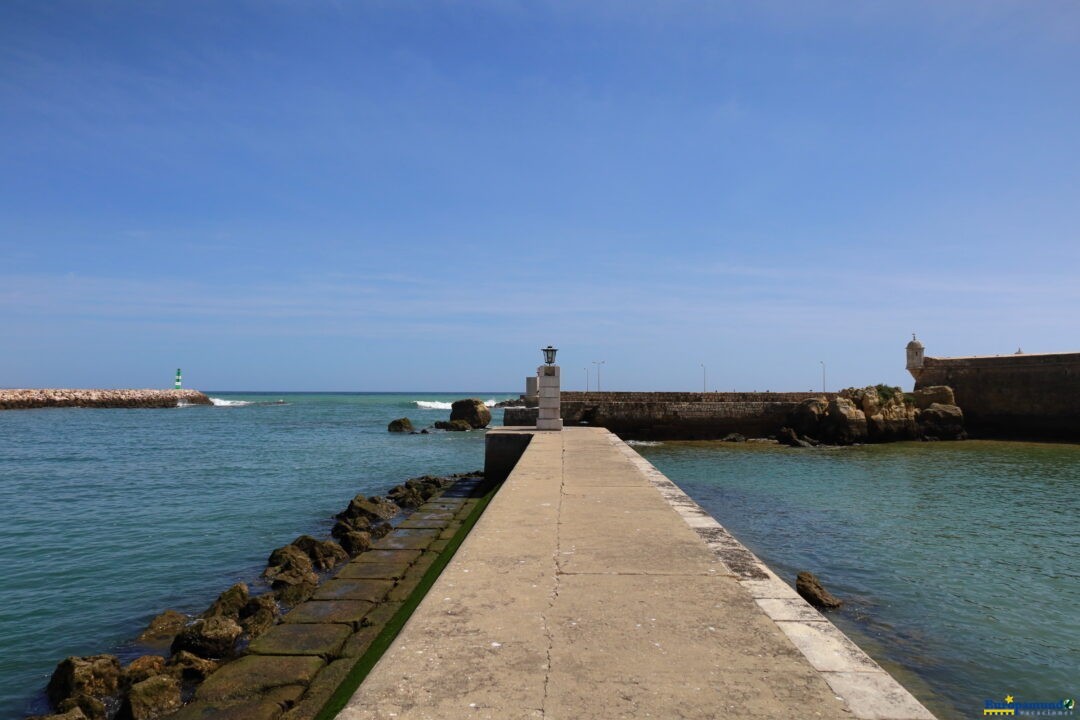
592,587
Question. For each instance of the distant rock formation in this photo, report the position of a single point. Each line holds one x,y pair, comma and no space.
50,397
875,414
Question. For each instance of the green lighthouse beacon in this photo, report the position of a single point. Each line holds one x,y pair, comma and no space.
178,383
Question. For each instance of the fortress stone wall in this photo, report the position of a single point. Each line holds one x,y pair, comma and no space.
1034,396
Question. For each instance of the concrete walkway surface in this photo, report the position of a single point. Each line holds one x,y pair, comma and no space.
592,587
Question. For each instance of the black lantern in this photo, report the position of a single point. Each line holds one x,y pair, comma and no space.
549,354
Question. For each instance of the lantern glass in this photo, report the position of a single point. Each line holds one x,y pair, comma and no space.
549,354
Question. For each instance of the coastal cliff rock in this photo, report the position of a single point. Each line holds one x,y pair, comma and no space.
844,423
889,415
151,698
944,422
473,411
48,398
212,638
97,676
811,589
401,425
927,396
807,417
879,413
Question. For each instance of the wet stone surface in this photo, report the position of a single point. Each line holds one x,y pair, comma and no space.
291,670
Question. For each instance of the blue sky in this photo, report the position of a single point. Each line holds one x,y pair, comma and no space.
387,195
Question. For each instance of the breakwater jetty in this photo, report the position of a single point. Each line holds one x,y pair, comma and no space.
593,587
676,415
29,399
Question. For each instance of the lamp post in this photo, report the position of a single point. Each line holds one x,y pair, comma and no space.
703,383
586,379
598,363
822,375
549,416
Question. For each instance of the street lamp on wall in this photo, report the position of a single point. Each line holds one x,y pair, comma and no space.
549,354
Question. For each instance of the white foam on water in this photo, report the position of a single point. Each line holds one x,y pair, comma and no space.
220,402
440,405
644,443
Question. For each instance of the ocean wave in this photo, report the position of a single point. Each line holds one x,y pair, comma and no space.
440,405
221,402
644,443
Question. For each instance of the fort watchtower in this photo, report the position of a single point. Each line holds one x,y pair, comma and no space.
1022,395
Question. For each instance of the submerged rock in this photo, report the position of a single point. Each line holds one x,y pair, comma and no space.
453,425
97,676
401,425
473,411
734,437
811,589
163,628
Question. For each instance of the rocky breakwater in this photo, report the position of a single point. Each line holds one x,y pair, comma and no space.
29,399
875,414
282,651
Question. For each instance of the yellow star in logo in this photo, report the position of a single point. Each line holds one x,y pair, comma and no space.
1009,699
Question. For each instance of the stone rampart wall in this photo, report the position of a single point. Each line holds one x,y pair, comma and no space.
675,416
1021,396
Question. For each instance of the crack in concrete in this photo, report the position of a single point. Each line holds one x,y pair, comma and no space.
557,571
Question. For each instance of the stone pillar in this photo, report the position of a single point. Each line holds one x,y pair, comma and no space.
530,387
550,406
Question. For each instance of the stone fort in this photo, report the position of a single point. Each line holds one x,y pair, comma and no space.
1023,395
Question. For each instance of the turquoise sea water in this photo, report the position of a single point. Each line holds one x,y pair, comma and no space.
108,517
959,562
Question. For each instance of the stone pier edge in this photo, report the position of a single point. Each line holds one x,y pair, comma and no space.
870,692
364,664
